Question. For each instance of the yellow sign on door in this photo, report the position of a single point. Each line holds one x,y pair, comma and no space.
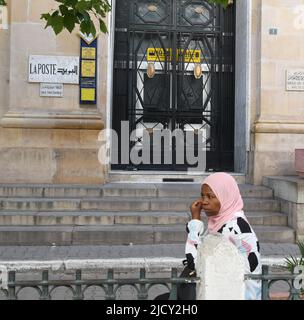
189,56
158,54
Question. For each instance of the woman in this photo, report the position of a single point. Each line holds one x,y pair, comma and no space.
223,205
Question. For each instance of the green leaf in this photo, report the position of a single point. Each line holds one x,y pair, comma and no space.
45,16
3,3
72,12
69,21
85,27
223,3
83,5
63,9
55,14
102,26
98,8
57,24
93,29
301,247
291,263
83,16
71,3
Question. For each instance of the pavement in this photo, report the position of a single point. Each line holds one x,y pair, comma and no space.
115,255
62,261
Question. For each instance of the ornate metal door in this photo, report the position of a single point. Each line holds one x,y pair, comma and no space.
174,69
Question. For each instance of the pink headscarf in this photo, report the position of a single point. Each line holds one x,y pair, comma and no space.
227,192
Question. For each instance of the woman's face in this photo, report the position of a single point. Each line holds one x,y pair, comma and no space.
210,202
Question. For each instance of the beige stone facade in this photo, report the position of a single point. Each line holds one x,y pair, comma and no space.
45,140
277,115
55,140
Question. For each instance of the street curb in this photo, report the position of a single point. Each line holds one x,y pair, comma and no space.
157,264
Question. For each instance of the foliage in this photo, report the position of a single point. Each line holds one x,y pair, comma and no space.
73,12
292,262
223,3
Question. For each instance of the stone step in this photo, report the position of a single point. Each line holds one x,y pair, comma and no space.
158,176
175,190
50,191
118,235
275,234
178,204
77,218
122,204
120,190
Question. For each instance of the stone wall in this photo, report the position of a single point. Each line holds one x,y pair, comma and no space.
55,140
46,140
290,192
277,114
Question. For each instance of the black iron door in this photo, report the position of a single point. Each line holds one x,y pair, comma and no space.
173,69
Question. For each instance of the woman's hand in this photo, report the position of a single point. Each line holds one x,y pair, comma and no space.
196,208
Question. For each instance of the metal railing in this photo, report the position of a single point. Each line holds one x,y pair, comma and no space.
78,286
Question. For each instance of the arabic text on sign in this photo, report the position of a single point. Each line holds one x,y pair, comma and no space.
53,69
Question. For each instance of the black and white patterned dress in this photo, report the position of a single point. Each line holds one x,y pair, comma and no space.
239,232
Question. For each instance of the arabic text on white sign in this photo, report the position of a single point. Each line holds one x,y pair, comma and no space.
54,69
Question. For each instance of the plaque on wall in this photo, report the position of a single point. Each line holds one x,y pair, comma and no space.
51,90
295,80
53,69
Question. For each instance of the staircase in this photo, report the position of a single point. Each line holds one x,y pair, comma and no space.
120,214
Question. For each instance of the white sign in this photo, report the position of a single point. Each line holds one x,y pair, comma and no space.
54,69
51,90
295,80
3,18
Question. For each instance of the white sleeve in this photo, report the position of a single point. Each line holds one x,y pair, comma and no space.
195,228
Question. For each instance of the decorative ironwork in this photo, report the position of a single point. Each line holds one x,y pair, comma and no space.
178,38
142,285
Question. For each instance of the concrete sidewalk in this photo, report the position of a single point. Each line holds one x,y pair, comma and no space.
94,261
94,257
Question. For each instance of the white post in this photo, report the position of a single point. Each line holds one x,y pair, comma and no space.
221,269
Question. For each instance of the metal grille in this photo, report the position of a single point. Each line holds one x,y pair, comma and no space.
175,37
79,285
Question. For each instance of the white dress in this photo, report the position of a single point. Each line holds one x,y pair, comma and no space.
240,233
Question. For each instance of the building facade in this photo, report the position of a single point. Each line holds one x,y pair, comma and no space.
236,74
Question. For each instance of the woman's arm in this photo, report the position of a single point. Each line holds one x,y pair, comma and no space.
195,228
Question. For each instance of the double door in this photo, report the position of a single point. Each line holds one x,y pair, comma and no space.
174,85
